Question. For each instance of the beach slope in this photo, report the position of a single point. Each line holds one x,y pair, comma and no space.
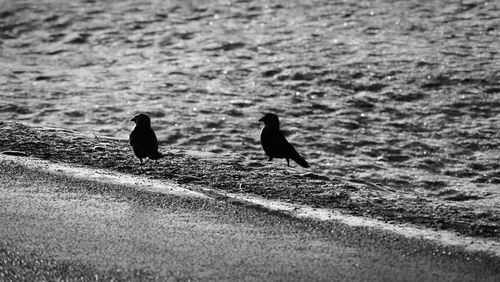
68,222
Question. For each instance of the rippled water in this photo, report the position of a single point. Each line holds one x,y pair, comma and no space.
403,94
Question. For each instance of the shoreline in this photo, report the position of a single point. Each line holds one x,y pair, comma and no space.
235,175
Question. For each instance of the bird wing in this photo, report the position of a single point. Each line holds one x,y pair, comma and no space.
143,140
294,155
275,144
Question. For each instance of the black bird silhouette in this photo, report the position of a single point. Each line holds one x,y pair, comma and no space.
143,139
275,144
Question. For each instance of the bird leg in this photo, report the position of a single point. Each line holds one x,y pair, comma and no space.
270,159
288,161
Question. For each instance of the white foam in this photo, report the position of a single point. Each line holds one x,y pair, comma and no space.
102,175
440,236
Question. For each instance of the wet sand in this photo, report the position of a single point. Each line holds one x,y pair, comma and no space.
399,98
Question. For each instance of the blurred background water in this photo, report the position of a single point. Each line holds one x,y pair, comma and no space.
403,94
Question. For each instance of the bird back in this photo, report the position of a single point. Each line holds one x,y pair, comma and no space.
144,143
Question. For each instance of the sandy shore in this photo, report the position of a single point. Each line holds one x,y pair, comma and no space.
236,174
73,223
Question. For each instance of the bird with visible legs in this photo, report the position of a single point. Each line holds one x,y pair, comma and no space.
275,144
143,140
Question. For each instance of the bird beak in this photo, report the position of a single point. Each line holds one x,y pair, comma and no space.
133,119
262,119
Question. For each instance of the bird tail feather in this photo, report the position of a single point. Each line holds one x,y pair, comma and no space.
156,156
300,161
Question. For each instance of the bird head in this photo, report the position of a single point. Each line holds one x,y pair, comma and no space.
270,120
141,120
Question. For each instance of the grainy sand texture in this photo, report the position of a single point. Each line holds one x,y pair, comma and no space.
401,97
